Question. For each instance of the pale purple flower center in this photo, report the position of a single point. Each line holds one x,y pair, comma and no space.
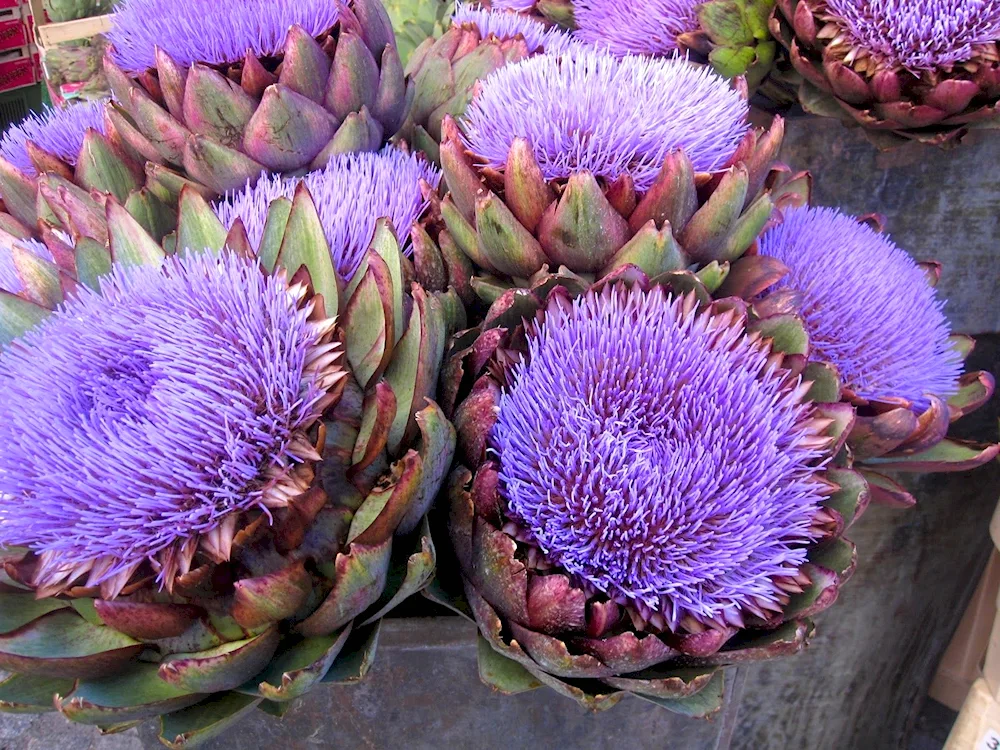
656,455
58,131
624,28
351,194
211,31
867,305
138,417
589,110
919,34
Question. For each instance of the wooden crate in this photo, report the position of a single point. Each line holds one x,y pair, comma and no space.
978,724
52,34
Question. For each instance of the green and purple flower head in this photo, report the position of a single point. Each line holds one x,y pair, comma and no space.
147,415
211,31
578,111
351,194
867,306
656,454
917,35
60,132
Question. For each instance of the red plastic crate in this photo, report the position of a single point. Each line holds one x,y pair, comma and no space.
11,4
19,67
14,31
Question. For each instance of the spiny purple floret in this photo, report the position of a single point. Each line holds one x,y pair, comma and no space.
140,416
655,455
211,31
10,279
623,29
507,24
919,35
867,306
58,131
520,5
351,193
589,110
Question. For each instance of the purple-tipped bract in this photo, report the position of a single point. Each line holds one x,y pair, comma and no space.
624,28
580,112
507,24
867,306
919,35
211,31
139,417
351,194
10,279
652,452
58,131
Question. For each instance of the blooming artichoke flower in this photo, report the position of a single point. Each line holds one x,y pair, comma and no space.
443,73
925,71
647,494
59,133
550,173
351,192
254,446
70,151
227,89
890,352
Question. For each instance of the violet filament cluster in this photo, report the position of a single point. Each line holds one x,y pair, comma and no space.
653,453
140,417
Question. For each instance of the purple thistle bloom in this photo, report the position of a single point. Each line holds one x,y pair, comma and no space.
518,5
652,452
58,131
351,193
507,24
624,30
919,35
211,31
142,416
867,306
10,280
579,112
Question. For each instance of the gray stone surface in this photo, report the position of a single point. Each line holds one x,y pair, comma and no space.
862,683
423,693
940,205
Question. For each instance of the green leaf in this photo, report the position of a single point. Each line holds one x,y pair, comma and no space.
198,228
407,576
730,62
296,671
63,644
17,317
502,674
130,245
17,610
357,656
93,260
130,695
194,726
29,694
703,704
222,668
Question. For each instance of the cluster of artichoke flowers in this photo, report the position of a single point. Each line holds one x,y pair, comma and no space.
924,71
250,337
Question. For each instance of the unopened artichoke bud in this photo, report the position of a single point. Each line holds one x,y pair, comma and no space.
646,495
885,348
255,443
443,73
221,91
925,70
